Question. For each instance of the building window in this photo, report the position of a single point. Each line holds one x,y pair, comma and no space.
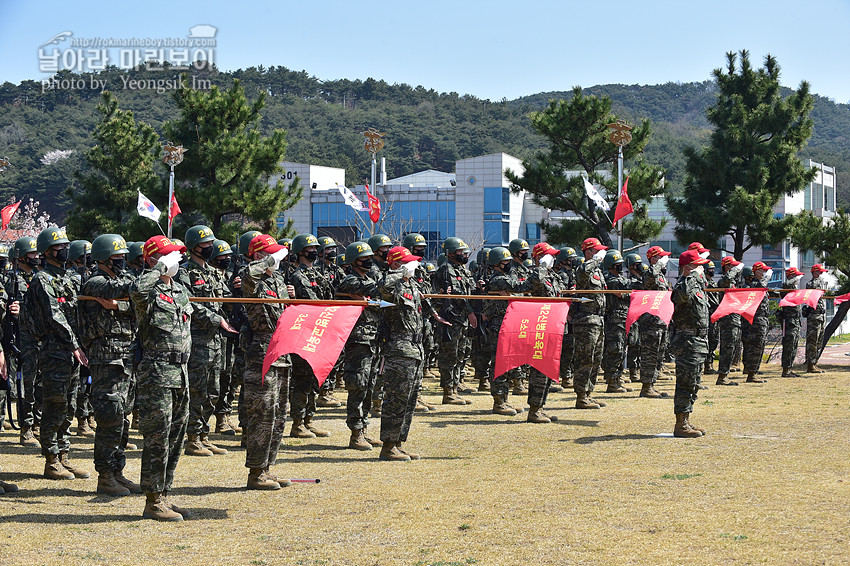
532,234
808,259
497,200
496,232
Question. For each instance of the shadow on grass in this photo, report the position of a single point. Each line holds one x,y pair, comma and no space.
206,489
607,437
71,519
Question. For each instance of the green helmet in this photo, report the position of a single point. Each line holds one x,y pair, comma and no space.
454,244
413,240
747,271
136,249
518,245
356,250
613,257
107,245
51,236
245,241
220,248
473,266
302,241
430,267
643,267
632,259
326,242
78,249
23,246
4,250
285,242
497,255
379,240
710,265
340,260
441,259
198,235
565,254
528,263
481,257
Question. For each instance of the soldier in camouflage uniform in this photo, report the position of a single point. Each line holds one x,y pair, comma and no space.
51,306
730,325
588,324
264,398
5,276
333,274
417,245
108,332
79,270
791,322
713,328
567,261
689,344
403,352
519,248
164,314
636,271
616,309
5,487
653,331
479,359
208,320
755,334
380,244
221,260
815,320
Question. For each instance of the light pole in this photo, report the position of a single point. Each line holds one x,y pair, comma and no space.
373,144
621,135
173,156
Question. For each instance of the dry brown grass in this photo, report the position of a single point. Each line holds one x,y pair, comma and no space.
769,484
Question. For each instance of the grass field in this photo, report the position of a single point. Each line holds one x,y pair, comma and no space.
769,484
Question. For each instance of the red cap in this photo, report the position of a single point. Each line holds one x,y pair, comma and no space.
160,245
594,244
819,267
760,266
698,247
543,248
690,257
729,260
402,254
657,251
263,243
792,272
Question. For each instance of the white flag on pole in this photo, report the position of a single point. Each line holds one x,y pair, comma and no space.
595,196
350,199
147,209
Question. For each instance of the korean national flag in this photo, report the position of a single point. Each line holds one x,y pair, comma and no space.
147,209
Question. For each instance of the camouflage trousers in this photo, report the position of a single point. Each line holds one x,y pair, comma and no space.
112,401
453,355
303,387
538,387
690,352
633,351
330,382
359,382
730,337
228,378
587,355
567,346
84,406
499,384
163,414
713,338
204,369
60,381
479,357
653,336
401,383
31,404
614,352
790,341
265,401
814,336
753,337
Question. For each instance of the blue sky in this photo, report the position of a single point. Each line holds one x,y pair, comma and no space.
491,49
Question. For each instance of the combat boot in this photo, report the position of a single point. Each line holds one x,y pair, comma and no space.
617,387
692,425
376,407
83,427
390,453
683,429
36,431
27,437
813,368
457,394
411,455
556,388
753,378
157,509
483,383
421,406
450,397
308,422
222,426
6,425
634,375
194,447
92,422
567,382
358,440
184,512
66,463
463,387
133,487
131,446
788,372
723,379
205,442
708,367
501,406
520,387
54,470
299,430
421,399
376,442
584,402
536,415
258,480
326,399
107,485
647,390
282,482
6,487
597,401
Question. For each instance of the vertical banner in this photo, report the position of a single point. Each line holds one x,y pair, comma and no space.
532,333
656,303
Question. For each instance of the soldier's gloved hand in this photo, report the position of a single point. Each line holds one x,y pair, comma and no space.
14,308
410,267
600,255
171,262
473,320
279,256
664,261
547,261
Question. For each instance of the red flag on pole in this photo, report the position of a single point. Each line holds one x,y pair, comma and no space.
801,296
624,204
657,303
7,213
317,333
374,206
744,302
174,209
841,298
532,333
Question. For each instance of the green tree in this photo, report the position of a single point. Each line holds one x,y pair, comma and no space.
121,162
733,184
228,164
577,132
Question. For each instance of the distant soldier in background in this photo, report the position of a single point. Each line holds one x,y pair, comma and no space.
567,260
222,259
653,331
79,269
636,268
616,310
730,325
713,328
791,322
380,244
333,274
815,320
754,334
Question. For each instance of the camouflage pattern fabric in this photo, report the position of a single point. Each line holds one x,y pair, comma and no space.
815,323
588,326
456,345
690,342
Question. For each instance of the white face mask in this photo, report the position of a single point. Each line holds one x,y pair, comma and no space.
767,275
547,261
704,255
699,270
794,280
663,261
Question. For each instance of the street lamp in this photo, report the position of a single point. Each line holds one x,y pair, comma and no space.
621,135
173,156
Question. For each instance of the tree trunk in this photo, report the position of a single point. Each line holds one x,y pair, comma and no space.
739,244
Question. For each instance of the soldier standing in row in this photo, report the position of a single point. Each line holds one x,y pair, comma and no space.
653,331
755,333
791,322
588,324
816,320
332,274
636,268
730,325
616,310
79,269
567,260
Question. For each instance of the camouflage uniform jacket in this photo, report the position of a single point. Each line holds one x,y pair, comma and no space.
655,280
366,329
763,310
164,314
792,314
819,283
544,283
309,283
616,307
204,281
405,318
262,317
456,276
568,278
332,273
495,310
51,307
107,335
589,276
690,306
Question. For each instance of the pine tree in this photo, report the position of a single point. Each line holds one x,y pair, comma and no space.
733,184
577,132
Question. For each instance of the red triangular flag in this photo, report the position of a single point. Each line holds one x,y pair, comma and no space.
7,213
800,296
744,302
656,303
532,333
174,209
841,298
624,204
374,206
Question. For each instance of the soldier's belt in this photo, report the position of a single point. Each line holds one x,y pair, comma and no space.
175,358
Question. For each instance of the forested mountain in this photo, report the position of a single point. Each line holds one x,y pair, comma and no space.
324,120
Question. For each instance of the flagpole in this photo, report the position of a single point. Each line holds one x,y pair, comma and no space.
620,185
173,156
620,135
170,197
